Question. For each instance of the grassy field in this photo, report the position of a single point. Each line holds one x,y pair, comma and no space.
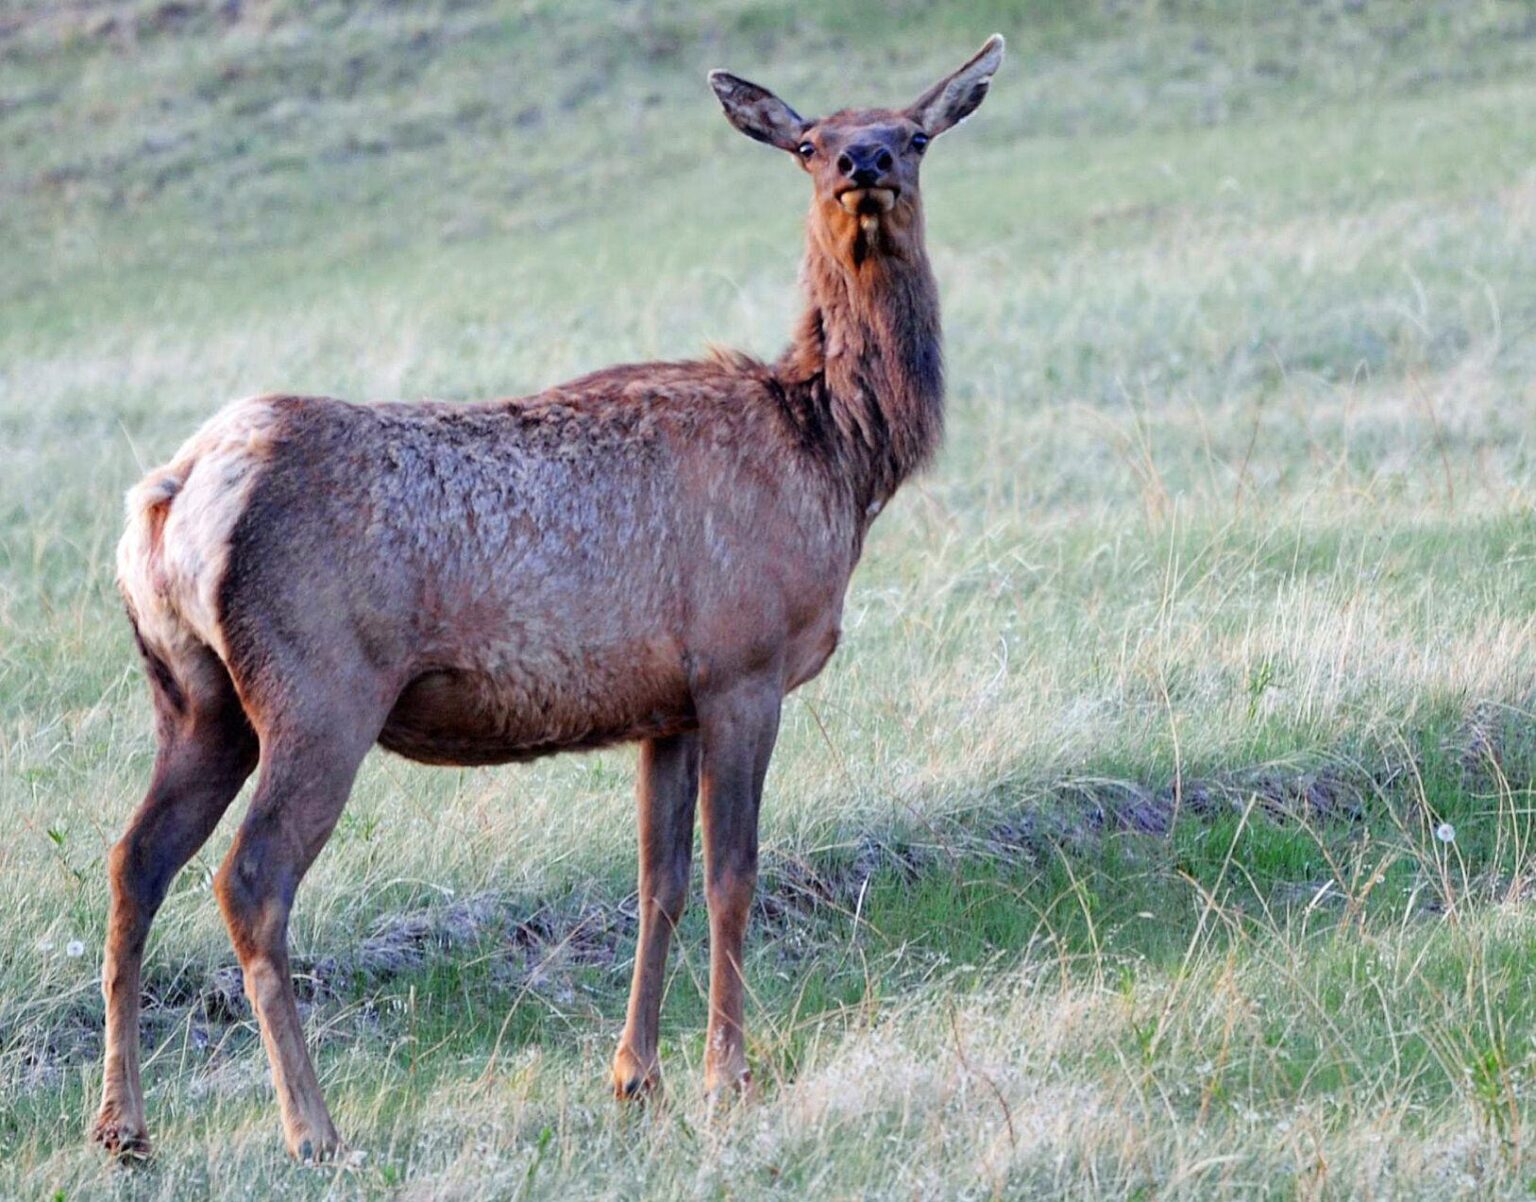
1163,827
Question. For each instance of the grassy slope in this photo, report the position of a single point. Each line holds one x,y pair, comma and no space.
1240,307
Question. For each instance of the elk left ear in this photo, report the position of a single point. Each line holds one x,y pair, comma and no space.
757,112
957,96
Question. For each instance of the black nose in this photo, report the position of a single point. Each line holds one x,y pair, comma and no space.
865,164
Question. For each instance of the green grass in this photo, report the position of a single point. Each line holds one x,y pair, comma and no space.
1102,862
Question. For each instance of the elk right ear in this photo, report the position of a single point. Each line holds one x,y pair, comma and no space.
757,112
956,97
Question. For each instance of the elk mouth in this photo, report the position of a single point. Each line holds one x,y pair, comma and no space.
867,202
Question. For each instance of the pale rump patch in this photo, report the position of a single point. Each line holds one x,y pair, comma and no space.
173,555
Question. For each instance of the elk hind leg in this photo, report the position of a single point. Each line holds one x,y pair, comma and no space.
310,755
207,749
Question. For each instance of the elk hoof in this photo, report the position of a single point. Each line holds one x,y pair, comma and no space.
120,1136
633,1079
314,1149
723,1088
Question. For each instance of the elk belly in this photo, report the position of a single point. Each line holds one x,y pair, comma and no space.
469,718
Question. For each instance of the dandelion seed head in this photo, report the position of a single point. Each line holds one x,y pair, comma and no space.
1445,832
75,950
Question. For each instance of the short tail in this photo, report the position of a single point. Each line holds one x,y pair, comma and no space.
183,669
162,636
140,574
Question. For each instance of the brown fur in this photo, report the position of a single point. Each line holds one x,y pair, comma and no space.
654,553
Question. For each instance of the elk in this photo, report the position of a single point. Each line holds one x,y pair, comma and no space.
654,553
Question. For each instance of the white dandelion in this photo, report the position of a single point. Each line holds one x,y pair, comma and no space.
75,950
1445,832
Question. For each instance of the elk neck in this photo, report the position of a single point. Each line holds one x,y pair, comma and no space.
866,360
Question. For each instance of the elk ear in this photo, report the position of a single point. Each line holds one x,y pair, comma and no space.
957,96
757,112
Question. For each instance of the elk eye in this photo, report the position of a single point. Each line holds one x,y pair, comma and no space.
806,150
919,142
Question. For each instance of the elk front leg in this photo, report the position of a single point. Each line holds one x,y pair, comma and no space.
668,786
737,732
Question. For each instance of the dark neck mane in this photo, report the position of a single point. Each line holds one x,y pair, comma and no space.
866,359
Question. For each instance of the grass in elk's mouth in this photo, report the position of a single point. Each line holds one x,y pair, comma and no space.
1162,827
867,201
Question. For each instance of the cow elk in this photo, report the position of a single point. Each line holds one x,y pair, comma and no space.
655,553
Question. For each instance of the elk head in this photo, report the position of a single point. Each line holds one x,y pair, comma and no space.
863,163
